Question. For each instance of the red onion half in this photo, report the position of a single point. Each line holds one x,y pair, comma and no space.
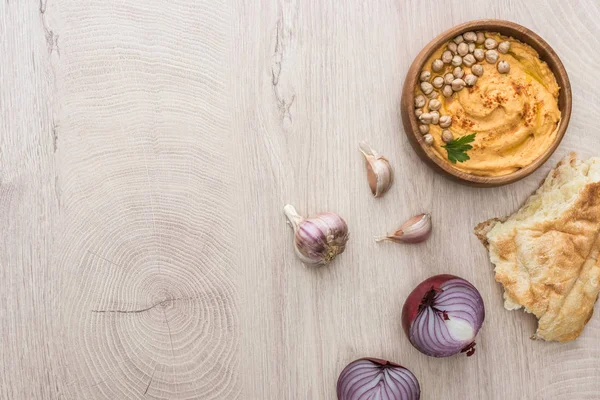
372,378
442,316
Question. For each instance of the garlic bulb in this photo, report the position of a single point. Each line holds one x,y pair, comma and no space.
379,171
319,239
415,230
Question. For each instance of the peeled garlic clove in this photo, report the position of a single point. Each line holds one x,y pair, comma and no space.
415,230
379,171
319,239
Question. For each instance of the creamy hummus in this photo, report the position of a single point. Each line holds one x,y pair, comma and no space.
515,116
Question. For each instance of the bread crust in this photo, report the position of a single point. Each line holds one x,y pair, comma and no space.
546,254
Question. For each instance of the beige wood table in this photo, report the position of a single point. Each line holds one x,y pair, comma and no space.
147,148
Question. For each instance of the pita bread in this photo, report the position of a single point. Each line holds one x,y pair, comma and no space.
546,254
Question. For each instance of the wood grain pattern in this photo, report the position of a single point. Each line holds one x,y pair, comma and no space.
147,149
132,288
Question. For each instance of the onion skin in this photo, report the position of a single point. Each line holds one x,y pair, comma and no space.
373,378
411,305
423,299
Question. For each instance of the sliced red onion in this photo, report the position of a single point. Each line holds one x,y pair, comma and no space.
372,378
442,316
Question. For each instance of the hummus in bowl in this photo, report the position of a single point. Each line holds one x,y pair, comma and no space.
501,90
515,115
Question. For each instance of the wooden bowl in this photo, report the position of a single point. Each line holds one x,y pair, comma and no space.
507,28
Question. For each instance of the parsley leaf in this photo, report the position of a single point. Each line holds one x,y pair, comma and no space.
457,148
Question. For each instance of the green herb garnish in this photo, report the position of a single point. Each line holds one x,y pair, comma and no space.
457,148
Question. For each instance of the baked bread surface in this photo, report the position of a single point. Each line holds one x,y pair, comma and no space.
547,253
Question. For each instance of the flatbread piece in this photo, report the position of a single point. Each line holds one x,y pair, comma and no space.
546,254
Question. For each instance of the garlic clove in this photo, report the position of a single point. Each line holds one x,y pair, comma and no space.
319,239
379,170
417,229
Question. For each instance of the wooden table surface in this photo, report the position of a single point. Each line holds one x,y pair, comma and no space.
147,148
